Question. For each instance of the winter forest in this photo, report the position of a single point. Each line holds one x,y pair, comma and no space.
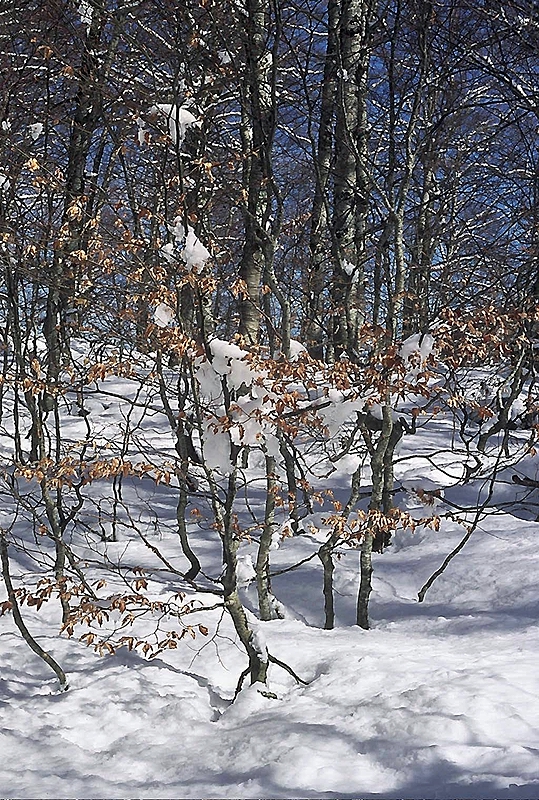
269,336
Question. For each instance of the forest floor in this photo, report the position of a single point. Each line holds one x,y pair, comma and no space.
440,699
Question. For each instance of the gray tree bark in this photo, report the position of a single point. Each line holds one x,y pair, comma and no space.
351,176
378,468
258,128
320,236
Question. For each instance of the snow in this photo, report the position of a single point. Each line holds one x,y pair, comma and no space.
179,120
35,130
193,253
167,251
417,344
414,352
229,360
142,131
4,183
296,349
216,444
246,571
186,246
163,315
339,410
86,13
439,699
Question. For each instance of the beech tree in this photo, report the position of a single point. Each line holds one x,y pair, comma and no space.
186,191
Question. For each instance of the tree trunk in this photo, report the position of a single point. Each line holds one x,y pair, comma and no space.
263,583
326,557
257,655
19,622
65,266
378,468
351,177
258,128
320,236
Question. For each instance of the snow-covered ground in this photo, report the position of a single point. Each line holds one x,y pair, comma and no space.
439,699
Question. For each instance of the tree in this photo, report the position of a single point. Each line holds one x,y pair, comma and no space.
359,175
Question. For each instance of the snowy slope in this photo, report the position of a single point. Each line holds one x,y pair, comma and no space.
439,700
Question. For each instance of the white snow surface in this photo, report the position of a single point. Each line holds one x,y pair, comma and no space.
437,700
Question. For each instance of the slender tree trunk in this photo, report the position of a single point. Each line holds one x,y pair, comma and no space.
19,622
365,585
351,176
52,509
320,239
258,656
258,127
396,292
416,302
63,276
326,557
263,582
325,554
378,468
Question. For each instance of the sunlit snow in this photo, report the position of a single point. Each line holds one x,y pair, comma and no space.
439,699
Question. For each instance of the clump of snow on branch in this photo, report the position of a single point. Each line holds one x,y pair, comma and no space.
296,349
248,424
142,131
186,246
245,571
351,270
179,120
340,408
85,13
35,130
229,360
163,315
258,642
216,447
416,347
414,352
